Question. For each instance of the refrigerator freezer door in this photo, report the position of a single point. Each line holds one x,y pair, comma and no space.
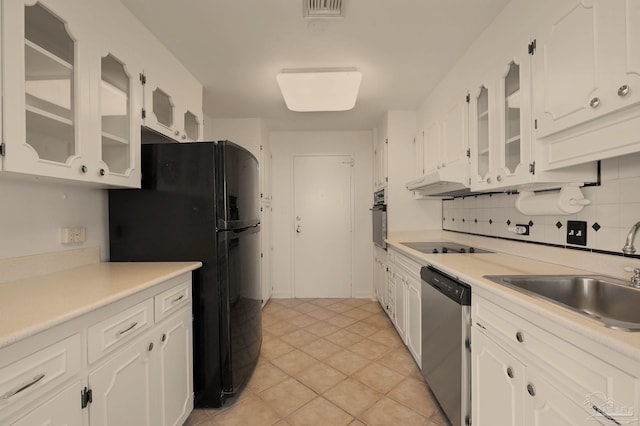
238,195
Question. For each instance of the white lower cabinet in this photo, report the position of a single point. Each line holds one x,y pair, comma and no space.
414,317
121,388
497,390
400,311
173,369
149,381
526,375
62,409
125,364
402,301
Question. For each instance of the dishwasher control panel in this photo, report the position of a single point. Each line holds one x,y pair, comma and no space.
454,289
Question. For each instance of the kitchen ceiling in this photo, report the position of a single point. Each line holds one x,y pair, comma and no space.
235,48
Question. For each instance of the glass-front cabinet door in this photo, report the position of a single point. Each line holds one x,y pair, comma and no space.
42,60
72,109
481,116
514,108
511,104
119,111
172,108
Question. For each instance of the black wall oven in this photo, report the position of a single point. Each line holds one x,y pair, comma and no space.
379,219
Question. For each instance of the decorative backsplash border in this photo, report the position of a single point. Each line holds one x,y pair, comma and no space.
614,208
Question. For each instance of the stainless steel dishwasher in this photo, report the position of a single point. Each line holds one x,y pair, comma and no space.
446,356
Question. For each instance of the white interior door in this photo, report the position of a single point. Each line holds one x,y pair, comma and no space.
322,219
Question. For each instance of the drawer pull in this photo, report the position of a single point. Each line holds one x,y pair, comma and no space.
510,372
519,337
23,387
605,415
128,329
177,299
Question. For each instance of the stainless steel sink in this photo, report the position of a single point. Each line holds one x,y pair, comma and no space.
608,300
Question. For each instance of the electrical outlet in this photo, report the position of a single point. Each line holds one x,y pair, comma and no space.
73,235
577,232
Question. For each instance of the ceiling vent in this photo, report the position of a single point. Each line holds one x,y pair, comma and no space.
323,8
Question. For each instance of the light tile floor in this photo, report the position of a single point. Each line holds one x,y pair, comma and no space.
329,362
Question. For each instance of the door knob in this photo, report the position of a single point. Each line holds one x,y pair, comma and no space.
623,90
298,229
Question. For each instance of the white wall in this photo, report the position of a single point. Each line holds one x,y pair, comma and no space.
32,213
249,133
283,146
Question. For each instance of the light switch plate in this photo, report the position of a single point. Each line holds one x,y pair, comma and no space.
577,232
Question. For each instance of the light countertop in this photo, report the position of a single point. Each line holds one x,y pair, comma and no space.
470,268
31,305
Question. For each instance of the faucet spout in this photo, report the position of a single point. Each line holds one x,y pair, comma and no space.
628,247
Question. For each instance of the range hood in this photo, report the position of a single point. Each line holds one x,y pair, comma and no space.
438,184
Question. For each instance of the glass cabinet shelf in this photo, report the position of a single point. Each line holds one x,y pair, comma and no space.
42,64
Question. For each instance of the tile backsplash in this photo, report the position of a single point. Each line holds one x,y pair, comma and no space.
614,208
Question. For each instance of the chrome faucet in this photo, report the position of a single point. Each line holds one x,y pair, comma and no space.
635,279
628,247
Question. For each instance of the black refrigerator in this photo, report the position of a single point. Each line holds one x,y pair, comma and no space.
200,201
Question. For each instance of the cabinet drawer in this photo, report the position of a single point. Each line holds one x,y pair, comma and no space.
575,372
119,328
171,300
44,368
408,264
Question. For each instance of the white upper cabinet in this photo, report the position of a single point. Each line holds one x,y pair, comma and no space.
380,155
503,153
72,116
71,72
586,67
501,124
445,142
171,108
47,83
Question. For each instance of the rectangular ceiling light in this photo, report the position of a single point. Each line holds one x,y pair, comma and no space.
312,91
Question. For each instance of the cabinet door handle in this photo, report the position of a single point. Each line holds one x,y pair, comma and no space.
481,326
101,172
510,372
128,329
531,389
177,299
83,169
595,102
26,386
499,178
624,90
488,180
520,337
